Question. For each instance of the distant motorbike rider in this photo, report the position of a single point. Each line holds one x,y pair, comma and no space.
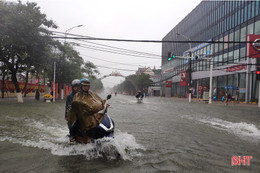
75,88
84,111
139,95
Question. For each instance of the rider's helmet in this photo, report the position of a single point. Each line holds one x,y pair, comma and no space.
84,81
75,82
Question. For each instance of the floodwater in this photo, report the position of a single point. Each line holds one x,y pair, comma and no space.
157,135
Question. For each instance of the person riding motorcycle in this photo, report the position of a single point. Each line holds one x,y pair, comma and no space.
75,88
84,113
139,95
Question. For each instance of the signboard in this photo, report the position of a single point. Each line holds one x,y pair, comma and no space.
168,84
183,80
242,90
236,68
231,87
253,48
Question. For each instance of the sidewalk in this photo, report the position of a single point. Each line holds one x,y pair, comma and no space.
232,103
14,100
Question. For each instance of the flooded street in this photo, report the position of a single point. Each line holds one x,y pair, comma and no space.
160,134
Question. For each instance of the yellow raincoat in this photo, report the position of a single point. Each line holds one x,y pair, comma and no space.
84,109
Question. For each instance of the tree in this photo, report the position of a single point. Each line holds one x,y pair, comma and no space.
4,71
68,64
134,82
22,33
90,69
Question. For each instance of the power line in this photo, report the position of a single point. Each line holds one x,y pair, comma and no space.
110,61
118,48
114,68
89,47
147,41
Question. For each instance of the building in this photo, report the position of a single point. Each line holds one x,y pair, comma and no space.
218,30
155,76
145,70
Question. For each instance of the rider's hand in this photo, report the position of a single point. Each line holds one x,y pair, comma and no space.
72,139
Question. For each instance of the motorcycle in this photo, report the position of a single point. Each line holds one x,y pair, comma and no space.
104,129
139,99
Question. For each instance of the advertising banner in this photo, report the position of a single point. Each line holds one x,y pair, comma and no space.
168,84
253,48
183,80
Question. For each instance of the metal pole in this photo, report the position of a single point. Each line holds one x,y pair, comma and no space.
190,75
210,81
259,93
54,81
62,85
190,80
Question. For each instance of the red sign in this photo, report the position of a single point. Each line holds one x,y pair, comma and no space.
241,160
168,84
166,71
236,68
253,48
183,78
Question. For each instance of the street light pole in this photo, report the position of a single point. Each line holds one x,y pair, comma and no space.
70,30
210,80
190,80
53,90
62,85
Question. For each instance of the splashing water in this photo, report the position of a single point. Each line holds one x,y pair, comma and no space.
54,138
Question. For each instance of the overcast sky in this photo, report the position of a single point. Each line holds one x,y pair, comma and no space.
118,19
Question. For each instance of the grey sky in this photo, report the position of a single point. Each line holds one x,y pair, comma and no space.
119,19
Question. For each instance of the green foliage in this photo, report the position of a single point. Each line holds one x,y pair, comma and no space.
134,82
26,46
23,37
90,69
96,84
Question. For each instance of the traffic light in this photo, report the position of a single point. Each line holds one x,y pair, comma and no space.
258,73
171,56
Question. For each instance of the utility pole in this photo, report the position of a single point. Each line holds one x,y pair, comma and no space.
190,80
54,81
210,80
62,84
189,87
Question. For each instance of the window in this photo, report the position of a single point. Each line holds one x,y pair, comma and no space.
243,34
225,59
229,82
249,11
250,29
238,17
237,33
245,13
235,80
215,63
236,55
253,8
220,59
242,85
242,54
235,19
230,57
216,46
257,27
231,38
242,15
257,8
221,44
